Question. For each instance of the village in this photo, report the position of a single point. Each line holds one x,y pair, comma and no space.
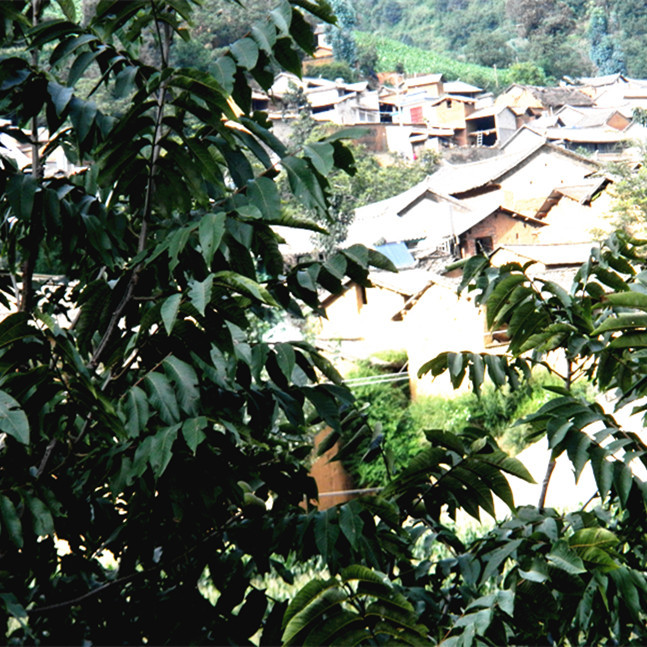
527,176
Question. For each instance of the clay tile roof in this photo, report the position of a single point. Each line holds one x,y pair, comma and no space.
555,97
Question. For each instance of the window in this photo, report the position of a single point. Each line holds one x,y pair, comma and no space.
484,245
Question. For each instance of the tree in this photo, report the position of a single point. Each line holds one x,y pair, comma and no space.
152,445
605,53
341,35
527,74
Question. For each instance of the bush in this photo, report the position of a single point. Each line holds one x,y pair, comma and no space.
403,421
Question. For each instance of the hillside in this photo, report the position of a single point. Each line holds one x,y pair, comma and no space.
415,60
563,37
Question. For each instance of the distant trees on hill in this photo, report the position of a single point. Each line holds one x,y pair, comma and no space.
560,36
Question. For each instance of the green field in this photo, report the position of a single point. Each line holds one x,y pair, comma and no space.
415,60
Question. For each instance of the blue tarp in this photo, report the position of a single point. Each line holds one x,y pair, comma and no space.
398,254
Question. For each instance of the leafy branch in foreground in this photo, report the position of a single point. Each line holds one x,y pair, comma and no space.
155,451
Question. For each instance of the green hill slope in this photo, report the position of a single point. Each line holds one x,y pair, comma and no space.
415,60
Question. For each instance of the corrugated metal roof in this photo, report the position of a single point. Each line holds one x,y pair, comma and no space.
398,254
460,87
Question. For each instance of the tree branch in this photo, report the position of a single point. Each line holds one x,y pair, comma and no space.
164,45
35,226
541,504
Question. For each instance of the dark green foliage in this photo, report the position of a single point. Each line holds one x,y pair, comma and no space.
605,53
526,74
341,34
631,21
402,422
135,396
334,70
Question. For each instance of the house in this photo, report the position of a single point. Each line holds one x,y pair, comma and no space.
498,227
479,205
576,213
451,111
490,126
333,101
415,215
342,103
614,91
518,180
585,129
590,117
432,84
434,320
359,321
542,99
323,53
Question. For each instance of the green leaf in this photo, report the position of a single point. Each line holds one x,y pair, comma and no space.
186,382
224,70
200,293
325,404
629,299
265,36
210,232
351,524
161,449
42,517
245,51
264,194
11,521
281,16
82,115
312,614
343,626
13,420
61,96
245,285
303,183
322,156
136,411
563,557
13,607
621,322
534,575
456,363
497,558
162,397
68,9
285,358
169,311
500,297
326,531
354,132
193,433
